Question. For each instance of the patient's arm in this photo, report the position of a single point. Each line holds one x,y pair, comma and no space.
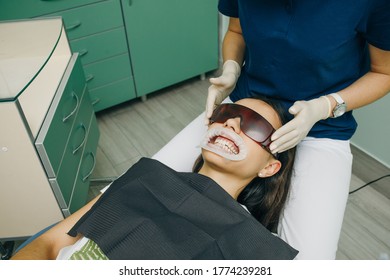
48,245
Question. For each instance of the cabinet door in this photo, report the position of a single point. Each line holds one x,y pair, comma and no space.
170,40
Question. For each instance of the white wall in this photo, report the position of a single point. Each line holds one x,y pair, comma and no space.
224,22
373,133
223,25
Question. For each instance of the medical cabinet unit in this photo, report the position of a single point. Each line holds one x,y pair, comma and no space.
48,128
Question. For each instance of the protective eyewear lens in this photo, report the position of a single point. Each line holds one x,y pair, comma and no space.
252,124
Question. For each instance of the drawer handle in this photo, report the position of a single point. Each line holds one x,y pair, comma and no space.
74,96
89,78
73,26
85,178
83,52
82,142
130,2
96,101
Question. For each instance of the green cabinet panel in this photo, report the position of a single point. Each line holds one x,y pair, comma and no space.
170,40
63,147
54,135
88,162
112,94
18,9
107,71
100,46
74,150
82,21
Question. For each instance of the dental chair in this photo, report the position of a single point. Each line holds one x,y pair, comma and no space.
182,150
179,153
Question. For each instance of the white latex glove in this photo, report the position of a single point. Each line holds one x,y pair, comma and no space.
306,114
222,86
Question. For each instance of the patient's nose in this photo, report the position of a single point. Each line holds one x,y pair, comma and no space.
233,123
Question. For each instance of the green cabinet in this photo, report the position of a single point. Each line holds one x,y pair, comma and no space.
49,133
62,159
96,31
170,40
130,48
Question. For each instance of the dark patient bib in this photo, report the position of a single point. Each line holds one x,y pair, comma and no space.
154,212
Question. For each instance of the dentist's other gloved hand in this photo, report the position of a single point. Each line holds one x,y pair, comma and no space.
222,86
306,114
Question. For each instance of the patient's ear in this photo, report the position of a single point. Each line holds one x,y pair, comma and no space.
270,169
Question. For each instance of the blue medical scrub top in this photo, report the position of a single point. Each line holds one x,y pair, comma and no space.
302,49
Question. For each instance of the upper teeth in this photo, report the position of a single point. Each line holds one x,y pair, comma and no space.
226,145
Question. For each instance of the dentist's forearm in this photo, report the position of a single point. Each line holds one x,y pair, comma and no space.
372,86
233,47
366,90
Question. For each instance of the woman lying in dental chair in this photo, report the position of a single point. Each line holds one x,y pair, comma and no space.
226,209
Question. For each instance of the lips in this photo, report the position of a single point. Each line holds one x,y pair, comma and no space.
225,143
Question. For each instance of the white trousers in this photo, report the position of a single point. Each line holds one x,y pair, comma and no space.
314,213
313,216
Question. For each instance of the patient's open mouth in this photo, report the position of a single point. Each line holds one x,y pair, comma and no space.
225,144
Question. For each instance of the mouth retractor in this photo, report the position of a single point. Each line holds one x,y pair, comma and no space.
225,143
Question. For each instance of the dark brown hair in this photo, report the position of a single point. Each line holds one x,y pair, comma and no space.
265,197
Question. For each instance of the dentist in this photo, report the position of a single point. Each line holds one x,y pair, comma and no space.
320,60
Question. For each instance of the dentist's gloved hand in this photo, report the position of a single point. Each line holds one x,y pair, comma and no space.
222,86
306,114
